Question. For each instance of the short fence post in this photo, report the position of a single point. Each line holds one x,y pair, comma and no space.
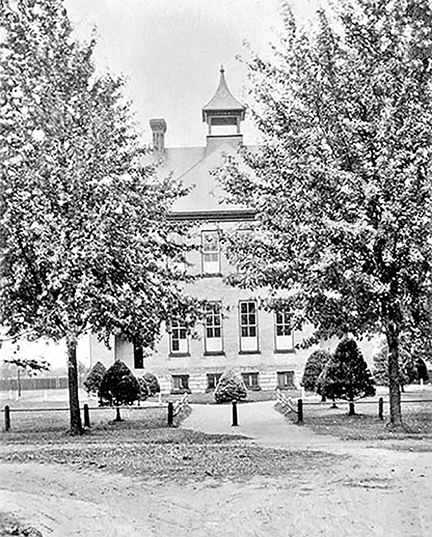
381,408
300,411
86,416
234,414
170,414
7,417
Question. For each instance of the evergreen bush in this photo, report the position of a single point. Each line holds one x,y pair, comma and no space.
93,381
149,385
313,368
119,386
347,375
230,387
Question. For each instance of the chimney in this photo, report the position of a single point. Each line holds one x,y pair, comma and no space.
158,127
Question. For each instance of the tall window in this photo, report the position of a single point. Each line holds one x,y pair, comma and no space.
178,337
285,380
284,332
248,326
213,328
210,249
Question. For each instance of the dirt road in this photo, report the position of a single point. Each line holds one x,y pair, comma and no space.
369,492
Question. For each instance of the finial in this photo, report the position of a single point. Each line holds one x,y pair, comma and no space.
222,70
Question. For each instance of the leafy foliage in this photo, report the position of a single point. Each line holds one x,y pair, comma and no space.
149,385
93,381
342,183
84,235
119,386
230,387
30,365
347,375
313,368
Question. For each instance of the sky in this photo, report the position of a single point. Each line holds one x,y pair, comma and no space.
170,52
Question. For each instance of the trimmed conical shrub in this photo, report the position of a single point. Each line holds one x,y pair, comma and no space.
93,381
230,387
119,386
149,385
347,375
313,369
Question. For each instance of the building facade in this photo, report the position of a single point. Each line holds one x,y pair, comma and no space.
234,332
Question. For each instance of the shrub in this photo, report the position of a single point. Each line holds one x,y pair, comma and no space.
313,368
119,386
93,381
230,387
149,385
347,375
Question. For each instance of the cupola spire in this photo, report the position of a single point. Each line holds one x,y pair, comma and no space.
223,109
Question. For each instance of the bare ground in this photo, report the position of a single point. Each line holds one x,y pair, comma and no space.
320,487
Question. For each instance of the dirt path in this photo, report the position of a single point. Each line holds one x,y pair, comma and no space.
368,493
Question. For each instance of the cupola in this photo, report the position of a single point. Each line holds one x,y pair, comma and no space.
222,112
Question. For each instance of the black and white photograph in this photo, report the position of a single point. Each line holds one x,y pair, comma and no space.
216,268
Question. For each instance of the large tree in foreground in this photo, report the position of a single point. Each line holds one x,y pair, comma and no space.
342,186
84,236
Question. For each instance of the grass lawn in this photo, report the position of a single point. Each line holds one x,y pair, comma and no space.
365,425
143,446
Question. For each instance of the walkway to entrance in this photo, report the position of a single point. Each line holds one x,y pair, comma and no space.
258,421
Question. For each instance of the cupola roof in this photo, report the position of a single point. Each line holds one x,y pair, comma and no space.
223,101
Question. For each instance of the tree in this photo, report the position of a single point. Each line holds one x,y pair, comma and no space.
342,185
84,235
93,381
347,375
119,386
230,387
313,368
407,369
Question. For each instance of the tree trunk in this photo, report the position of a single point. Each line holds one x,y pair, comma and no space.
351,409
394,381
74,408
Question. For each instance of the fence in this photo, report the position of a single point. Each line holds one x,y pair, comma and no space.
173,409
296,407
34,383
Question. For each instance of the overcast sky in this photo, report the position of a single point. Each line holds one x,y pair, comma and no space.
170,52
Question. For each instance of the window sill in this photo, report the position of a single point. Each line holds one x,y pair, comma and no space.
211,275
292,387
284,351
254,388
214,353
180,392
178,354
250,352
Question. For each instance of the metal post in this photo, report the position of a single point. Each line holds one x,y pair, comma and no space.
234,414
170,414
300,411
86,416
7,417
381,408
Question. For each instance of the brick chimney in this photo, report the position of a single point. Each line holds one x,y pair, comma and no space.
158,127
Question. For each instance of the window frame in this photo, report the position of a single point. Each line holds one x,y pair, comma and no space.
181,389
243,349
217,252
215,379
251,380
181,327
286,386
277,341
208,351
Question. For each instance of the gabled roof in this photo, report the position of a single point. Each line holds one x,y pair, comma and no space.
223,100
